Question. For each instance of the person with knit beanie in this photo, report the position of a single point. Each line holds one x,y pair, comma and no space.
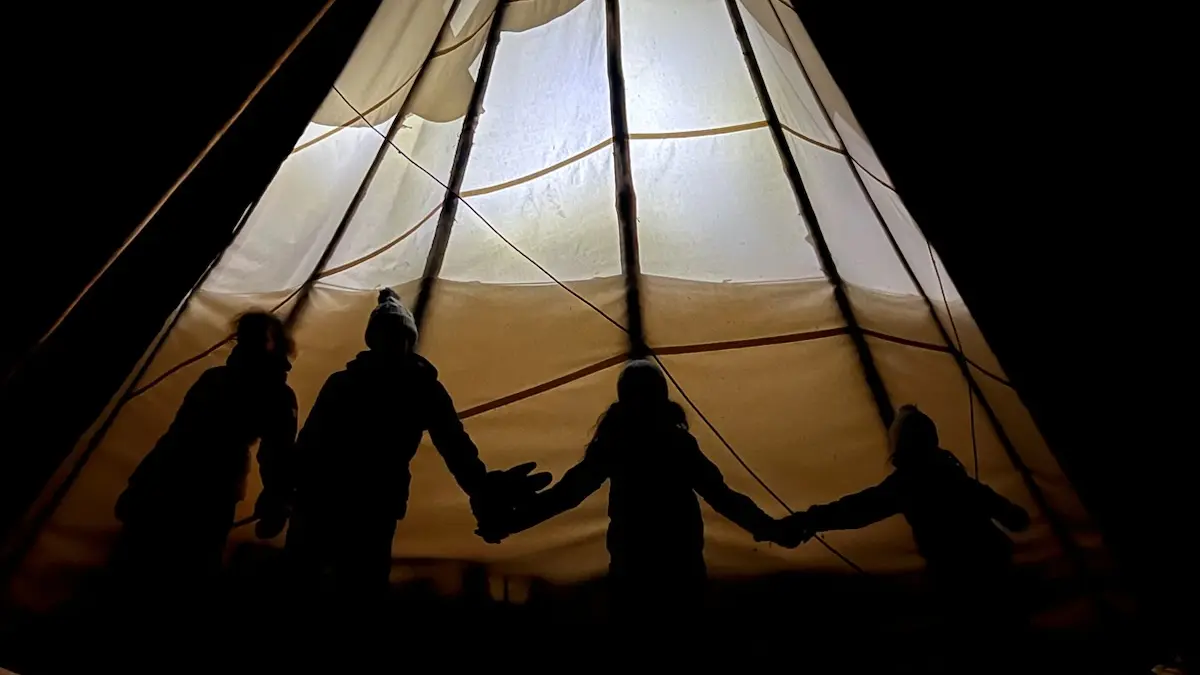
355,449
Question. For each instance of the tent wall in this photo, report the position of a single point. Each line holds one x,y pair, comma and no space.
733,294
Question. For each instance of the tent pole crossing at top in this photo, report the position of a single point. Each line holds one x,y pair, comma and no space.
870,371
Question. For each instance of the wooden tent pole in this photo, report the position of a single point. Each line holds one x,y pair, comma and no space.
626,197
870,371
462,153
306,289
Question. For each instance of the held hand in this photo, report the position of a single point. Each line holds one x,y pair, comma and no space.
788,532
504,493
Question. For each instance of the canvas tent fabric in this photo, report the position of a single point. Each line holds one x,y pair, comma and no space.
734,296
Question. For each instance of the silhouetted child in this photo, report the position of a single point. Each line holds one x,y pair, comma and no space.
355,450
656,468
179,505
953,519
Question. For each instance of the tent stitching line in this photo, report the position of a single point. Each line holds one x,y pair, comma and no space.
669,350
693,348
410,78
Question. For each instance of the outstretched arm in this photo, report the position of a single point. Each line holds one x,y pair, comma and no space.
710,484
1012,517
452,442
857,510
276,458
576,485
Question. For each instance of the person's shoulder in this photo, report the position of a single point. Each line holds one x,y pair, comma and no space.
213,377
424,367
681,438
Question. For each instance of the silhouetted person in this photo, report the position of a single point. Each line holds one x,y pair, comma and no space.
953,519
655,534
355,450
179,505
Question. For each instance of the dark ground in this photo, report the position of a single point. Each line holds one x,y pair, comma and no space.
1037,148
815,623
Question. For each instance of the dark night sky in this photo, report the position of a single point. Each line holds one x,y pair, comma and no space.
1021,144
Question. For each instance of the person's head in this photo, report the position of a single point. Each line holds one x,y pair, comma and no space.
641,384
391,328
912,435
642,397
261,336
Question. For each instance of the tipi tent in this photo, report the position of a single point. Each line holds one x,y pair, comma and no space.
483,159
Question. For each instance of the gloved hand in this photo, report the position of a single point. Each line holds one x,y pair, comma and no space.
272,512
788,532
502,494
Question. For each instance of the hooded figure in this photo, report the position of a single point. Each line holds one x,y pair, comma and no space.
355,450
953,519
179,505
655,533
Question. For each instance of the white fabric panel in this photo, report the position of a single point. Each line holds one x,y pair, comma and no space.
399,198
547,98
545,102
794,100
857,241
915,248
835,102
565,220
389,53
719,208
683,67
881,292
384,65
283,240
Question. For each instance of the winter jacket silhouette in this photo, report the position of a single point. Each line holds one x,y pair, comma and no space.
355,449
179,504
655,468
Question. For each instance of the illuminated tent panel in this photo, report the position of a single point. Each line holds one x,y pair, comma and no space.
527,312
